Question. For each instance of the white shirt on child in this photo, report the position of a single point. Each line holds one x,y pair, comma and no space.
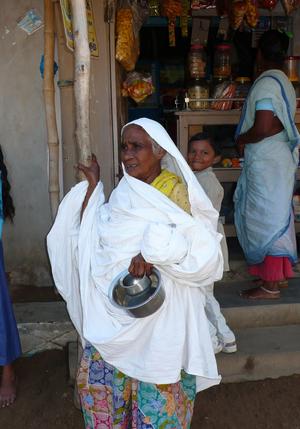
215,192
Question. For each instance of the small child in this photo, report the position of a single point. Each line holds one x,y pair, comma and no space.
202,154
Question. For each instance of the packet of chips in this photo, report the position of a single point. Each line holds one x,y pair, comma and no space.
138,86
290,5
222,92
127,48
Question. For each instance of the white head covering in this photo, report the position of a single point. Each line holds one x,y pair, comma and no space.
175,162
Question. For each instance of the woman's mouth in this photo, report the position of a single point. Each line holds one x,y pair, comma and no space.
130,166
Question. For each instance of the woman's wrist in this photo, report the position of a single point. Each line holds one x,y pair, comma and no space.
92,185
240,140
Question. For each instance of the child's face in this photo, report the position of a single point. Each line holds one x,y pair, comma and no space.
201,155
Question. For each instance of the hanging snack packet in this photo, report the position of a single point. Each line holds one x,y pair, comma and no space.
171,9
225,90
290,5
127,48
252,14
237,13
137,86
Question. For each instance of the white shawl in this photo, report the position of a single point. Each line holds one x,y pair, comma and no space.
86,256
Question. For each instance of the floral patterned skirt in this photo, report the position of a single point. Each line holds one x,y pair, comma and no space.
112,400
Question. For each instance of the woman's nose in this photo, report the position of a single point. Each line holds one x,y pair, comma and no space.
126,154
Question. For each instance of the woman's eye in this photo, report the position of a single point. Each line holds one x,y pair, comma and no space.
137,145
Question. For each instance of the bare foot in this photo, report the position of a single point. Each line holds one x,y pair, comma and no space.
8,387
260,292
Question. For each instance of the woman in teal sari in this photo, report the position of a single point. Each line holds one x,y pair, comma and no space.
269,139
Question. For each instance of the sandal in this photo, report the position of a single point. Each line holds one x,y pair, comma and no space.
282,284
229,347
260,292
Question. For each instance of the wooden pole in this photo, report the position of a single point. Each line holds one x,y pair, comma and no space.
66,78
49,98
82,80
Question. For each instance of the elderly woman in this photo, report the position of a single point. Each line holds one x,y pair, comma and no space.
263,198
139,373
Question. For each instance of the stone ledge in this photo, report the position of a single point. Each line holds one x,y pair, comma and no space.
269,352
37,337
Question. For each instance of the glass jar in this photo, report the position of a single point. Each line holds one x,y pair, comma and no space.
198,89
291,68
222,61
243,85
296,86
197,62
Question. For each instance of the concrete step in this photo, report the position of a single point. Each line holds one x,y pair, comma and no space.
43,326
262,315
242,313
264,352
41,312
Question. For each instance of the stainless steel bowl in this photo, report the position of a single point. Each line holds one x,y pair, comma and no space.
141,304
135,285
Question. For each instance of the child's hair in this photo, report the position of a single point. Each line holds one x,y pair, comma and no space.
8,205
205,136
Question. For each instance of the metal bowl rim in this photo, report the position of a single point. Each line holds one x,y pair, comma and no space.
114,284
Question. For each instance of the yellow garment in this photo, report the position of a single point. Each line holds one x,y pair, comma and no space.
172,187
165,182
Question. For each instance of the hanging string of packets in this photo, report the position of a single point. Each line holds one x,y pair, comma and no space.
173,9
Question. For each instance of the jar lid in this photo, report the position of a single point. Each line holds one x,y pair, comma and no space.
197,46
223,47
197,82
243,79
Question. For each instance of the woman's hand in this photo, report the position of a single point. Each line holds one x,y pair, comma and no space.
240,146
92,172
139,267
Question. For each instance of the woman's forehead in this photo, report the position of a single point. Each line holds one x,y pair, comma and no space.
135,132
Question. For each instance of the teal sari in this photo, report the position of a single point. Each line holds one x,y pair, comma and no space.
263,197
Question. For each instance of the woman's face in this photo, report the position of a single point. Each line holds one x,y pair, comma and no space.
137,154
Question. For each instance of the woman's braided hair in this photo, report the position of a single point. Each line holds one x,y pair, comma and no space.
8,205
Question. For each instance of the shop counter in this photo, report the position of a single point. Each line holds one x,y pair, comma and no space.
191,122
